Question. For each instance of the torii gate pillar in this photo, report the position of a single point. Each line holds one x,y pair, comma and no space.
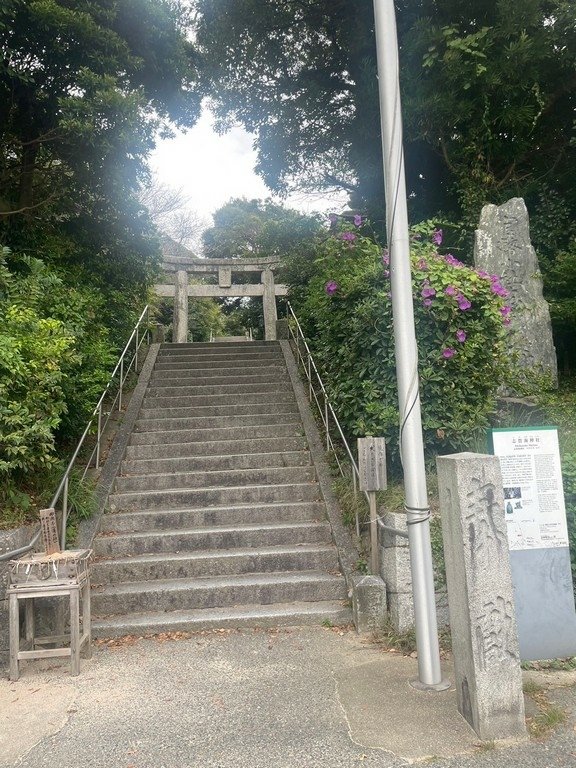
269,305
180,322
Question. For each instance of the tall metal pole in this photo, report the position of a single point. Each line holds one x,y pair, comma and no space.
411,442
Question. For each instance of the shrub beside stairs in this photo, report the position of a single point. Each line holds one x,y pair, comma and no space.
216,518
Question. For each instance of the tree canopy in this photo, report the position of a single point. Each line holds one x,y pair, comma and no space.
257,228
84,86
488,89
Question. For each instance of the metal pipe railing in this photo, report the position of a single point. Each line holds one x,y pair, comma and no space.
102,418
318,395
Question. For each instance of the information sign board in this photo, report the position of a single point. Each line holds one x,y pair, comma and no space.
538,541
533,494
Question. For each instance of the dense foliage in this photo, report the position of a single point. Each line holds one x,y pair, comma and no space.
343,300
54,360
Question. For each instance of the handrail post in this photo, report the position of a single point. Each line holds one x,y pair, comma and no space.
326,422
98,436
64,514
121,385
136,351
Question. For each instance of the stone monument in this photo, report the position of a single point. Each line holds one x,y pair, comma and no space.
502,246
480,595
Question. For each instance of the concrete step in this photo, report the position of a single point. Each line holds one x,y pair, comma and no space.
291,429
305,557
214,422
182,594
185,379
230,515
215,479
216,463
157,400
212,346
231,371
217,537
227,447
218,411
238,362
205,389
213,497
336,613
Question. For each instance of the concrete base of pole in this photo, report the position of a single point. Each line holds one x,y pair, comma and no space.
443,685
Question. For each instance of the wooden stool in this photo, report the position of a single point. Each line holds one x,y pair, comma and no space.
65,574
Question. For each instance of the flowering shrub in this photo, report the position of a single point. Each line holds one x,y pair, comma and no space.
343,300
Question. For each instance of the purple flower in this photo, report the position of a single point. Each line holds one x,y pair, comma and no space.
506,321
331,287
357,220
448,352
499,290
385,257
452,260
461,336
332,218
505,311
463,303
428,292
482,273
450,291
423,264
386,273
437,236
427,302
348,237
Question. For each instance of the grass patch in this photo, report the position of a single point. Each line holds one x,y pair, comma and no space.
405,642
549,718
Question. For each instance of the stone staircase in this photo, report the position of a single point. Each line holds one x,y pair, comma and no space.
216,519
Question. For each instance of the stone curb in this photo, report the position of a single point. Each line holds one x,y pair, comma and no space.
89,528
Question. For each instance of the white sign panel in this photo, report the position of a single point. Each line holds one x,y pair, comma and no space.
533,493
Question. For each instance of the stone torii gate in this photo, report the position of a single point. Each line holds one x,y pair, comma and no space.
180,288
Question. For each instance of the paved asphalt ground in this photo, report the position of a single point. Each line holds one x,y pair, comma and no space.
253,699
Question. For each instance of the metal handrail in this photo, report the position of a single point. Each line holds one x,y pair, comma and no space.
325,411
123,367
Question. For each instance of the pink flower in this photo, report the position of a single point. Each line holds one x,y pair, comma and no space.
450,291
482,273
348,237
422,264
331,287
461,336
357,220
386,273
505,310
427,292
463,303
385,257
506,321
427,302
448,352
437,236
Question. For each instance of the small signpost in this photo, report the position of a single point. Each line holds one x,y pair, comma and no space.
372,471
49,530
538,540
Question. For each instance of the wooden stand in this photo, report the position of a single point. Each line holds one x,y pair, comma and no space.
76,587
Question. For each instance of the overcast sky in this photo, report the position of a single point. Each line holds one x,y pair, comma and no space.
211,169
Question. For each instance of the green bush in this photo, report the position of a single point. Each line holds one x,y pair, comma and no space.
342,297
55,358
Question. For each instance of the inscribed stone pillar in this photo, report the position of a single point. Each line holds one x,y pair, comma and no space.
480,596
269,301
502,246
180,326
